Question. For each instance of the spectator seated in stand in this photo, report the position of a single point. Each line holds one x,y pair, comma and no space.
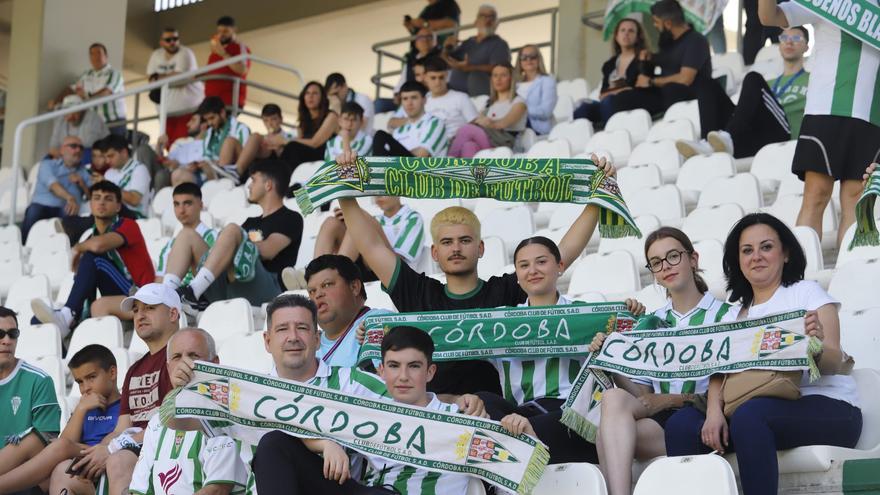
187,203
221,145
263,146
171,59
339,93
767,111
500,123
399,116
351,130
316,124
61,185
130,175
86,125
113,260
185,154
472,61
536,87
246,260
422,48
94,371
30,411
422,135
619,73
225,44
453,107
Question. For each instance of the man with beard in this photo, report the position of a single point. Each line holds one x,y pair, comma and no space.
225,45
172,59
685,72
472,61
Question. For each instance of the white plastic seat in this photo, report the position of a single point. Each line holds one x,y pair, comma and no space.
380,121
304,171
21,202
54,264
512,225
224,319
430,207
571,479
558,148
617,143
54,368
589,297
661,153
162,201
25,288
38,341
845,255
561,219
787,207
635,177
11,269
712,222
859,336
10,233
812,246
480,101
475,487
564,109
106,330
671,129
633,245
41,231
137,348
212,187
154,248
685,110
64,289
378,298
653,296
494,257
499,152
228,203
734,60
611,273
854,284
699,170
711,253
722,71
247,352
687,475
151,228
664,202
578,89
742,189
577,133
772,164
637,122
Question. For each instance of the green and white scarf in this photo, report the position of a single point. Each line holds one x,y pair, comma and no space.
422,438
775,342
504,179
858,18
866,226
701,13
523,332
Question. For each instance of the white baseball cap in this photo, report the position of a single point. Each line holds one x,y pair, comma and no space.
153,294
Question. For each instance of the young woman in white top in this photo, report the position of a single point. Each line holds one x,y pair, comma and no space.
536,87
764,266
634,413
500,123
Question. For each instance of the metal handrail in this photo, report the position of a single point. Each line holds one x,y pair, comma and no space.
380,52
162,85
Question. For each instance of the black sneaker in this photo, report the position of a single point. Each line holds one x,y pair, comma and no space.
191,304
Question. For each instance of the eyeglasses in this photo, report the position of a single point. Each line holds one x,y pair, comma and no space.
75,146
672,258
794,38
526,58
171,39
12,332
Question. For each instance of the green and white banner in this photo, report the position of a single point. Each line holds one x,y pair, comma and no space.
553,180
701,13
866,225
524,332
858,18
422,438
775,342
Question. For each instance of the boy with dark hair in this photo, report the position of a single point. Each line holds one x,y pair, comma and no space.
245,261
94,370
187,201
351,127
422,134
223,141
454,107
132,176
113,260
263,146
339,94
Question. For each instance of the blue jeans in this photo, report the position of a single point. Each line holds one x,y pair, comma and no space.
597,112
36,212
763,425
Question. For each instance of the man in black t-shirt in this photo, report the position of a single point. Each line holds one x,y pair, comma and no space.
245,261
457,248
685,72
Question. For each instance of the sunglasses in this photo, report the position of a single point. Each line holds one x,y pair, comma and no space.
171,39
12,332
528,57
794,38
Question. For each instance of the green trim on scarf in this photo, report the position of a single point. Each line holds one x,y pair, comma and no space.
854,23
866,226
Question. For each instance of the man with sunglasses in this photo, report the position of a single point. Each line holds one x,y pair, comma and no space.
61,184
28,404
171,59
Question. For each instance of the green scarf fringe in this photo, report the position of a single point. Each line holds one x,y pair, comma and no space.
168,409
618,231
866,226
535,470
813,349
579,425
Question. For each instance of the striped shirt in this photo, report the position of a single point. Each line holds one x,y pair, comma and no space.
208,234
106,77
362,145
405,232
709,310
408,480
845,77
214,139
133,176
428,132
524,380
182,462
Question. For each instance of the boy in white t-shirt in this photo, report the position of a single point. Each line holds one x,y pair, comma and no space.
130,175
454,107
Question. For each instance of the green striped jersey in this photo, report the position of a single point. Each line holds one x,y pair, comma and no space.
93,81
214,139
362,145
27,403
133,176
845,74
406,234
709,310
182,462
428,132
523,380
208,234
408,480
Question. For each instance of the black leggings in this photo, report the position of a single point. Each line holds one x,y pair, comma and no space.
756,34
284,465
758,119
384,144
295,153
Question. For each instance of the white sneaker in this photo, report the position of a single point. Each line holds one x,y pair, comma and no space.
293,279
44,312
690,149
720,141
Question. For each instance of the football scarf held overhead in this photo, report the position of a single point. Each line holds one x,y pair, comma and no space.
774,342
521,332
858,18
504,179
702,14
426,439
866,226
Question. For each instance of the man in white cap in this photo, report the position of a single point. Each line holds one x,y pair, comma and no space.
86,125
157,313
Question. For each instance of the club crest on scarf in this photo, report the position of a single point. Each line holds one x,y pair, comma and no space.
773,339
219,392
355,175
482,448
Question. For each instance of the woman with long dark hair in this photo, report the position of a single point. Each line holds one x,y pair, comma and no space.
316,125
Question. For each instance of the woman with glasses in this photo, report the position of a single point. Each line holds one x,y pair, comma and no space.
635,412
536,87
